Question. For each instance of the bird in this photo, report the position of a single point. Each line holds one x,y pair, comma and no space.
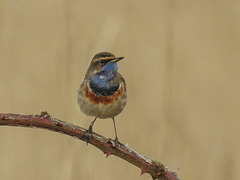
103,92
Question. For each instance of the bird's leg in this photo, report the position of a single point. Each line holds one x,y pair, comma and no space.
91,125
115,129
88,133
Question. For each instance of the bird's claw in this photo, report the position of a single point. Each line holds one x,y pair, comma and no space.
88,134
117,143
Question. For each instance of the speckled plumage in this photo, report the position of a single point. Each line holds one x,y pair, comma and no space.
102,94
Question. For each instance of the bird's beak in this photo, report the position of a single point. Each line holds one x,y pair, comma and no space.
116,59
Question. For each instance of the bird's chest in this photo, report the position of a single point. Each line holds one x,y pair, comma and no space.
106,89
102,106
103,84
103,95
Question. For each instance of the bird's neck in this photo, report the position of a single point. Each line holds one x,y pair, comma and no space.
103,84
103,79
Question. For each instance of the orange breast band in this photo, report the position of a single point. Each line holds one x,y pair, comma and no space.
96,99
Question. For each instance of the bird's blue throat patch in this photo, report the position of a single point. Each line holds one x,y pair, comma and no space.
101,84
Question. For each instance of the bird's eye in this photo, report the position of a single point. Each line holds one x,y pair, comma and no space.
102,61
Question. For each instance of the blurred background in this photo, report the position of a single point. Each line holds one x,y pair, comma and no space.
182,70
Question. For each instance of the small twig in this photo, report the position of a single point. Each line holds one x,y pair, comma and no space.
45,121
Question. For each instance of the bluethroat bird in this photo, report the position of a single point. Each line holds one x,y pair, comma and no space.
102,94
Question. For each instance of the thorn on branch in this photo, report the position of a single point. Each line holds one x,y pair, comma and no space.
143,171
108,153
45,114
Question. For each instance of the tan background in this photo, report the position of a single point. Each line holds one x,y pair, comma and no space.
182,70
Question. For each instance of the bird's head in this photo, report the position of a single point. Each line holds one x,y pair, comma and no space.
105,63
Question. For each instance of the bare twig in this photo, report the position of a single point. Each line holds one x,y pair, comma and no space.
45,121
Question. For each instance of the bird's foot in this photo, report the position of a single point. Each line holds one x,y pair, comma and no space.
117,143
88,134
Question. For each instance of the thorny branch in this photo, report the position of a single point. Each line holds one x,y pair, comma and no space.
45,121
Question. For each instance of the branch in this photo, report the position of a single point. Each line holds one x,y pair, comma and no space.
45,121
